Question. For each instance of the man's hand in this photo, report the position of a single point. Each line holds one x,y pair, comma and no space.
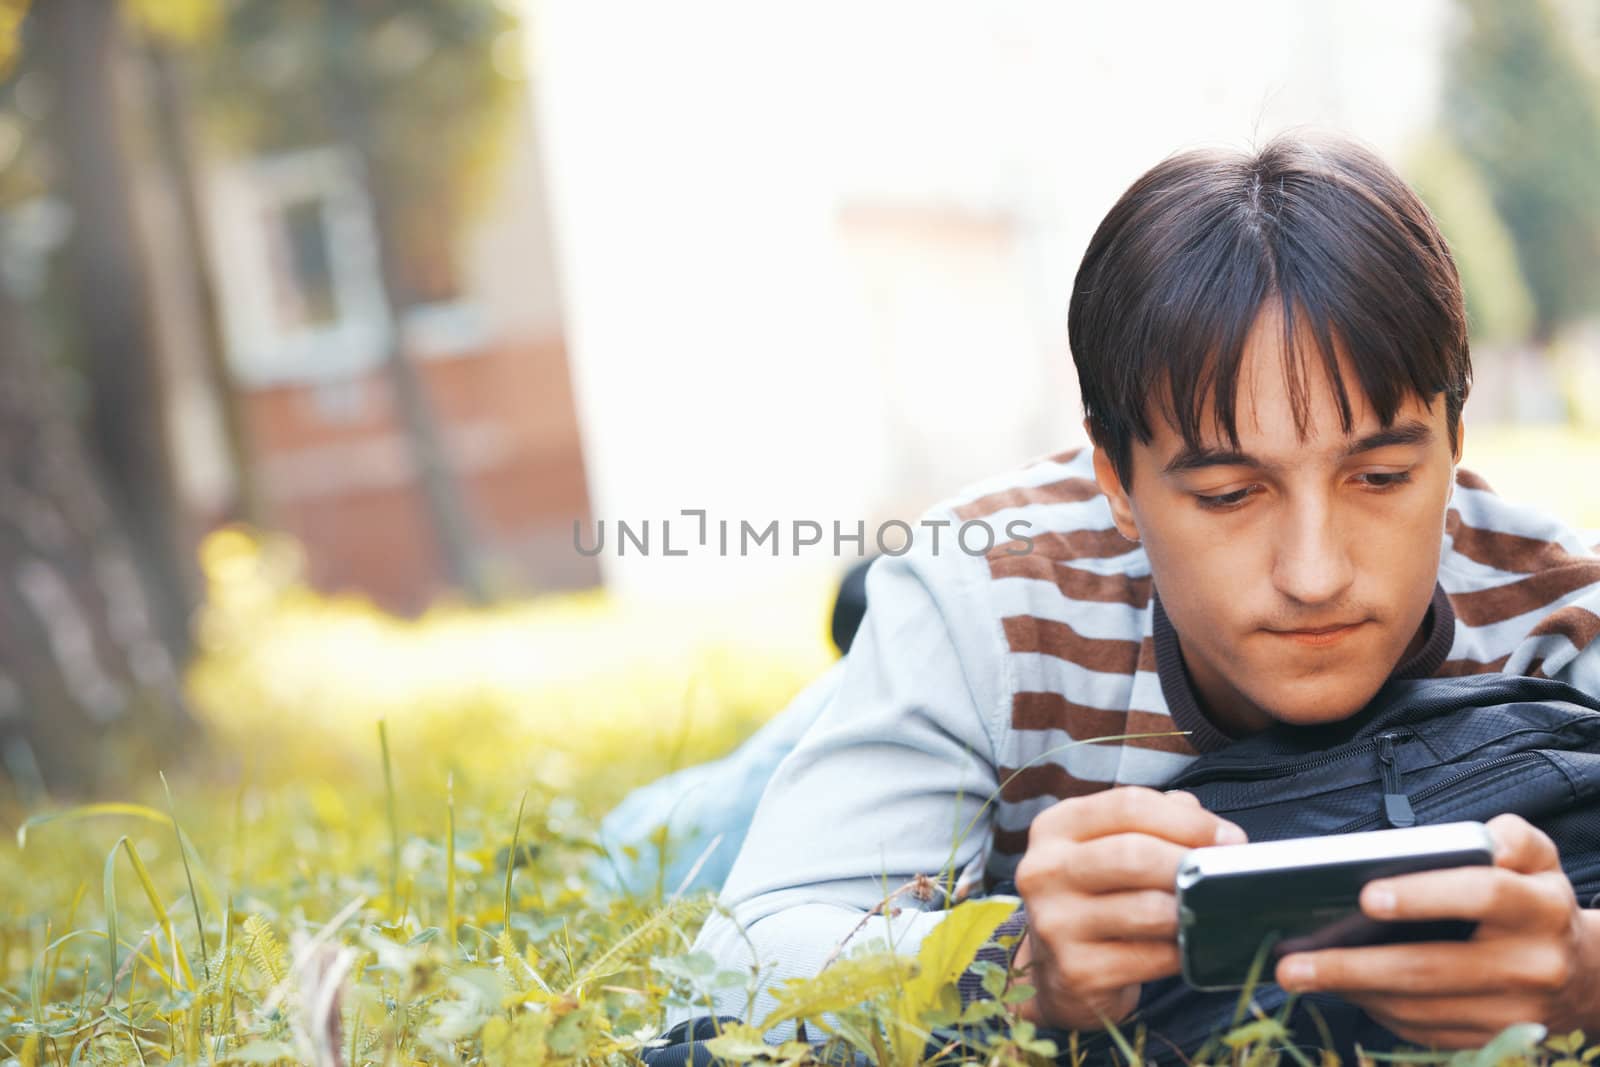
1097,880
1535,956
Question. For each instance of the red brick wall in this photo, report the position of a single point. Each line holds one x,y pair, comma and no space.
337,474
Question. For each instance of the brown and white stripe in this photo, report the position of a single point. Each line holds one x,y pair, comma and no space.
1075,614
1525,590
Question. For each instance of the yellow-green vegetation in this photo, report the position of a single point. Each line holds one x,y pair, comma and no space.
1555,468
387,857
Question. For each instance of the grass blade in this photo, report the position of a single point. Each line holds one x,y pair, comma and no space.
72,918
108,884
86,811
36,994
450,862
180,962
183,854
227,977
947,873
394,824
140,811
511,860
1253,978
1133,1058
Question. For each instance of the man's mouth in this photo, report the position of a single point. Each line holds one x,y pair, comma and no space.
1320,636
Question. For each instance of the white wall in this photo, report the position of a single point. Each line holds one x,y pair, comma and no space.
710,166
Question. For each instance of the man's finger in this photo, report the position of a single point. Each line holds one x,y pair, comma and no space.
1124,861
1493,895
1135,809
1138,915
1120,963
1521,846
1435,968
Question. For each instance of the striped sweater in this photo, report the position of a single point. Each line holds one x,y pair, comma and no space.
972,676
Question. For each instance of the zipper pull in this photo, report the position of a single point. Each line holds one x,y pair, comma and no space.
1396,805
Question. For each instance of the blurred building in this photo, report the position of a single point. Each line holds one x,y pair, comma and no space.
765,264
306,327
816,259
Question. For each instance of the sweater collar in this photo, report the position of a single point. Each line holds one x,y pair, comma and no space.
1206,736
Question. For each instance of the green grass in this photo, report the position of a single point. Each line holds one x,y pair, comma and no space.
387,856
299,950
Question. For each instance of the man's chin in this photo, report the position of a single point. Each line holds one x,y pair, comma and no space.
1316,704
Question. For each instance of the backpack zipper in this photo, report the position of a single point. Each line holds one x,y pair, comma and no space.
1438,787
1397,810
1273,770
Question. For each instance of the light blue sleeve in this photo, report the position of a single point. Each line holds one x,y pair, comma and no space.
707,809
1581,669
1564,659
890,781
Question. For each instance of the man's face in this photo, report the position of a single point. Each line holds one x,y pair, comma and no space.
1296,571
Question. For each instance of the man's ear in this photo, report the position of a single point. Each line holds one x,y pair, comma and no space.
1105,476
1455,456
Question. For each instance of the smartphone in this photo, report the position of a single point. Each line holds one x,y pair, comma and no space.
1236,902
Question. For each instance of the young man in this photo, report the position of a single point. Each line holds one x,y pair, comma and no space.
1272,350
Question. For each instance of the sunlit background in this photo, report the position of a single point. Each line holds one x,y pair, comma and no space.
410,299
333,333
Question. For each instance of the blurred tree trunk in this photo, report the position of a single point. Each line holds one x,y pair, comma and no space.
80,46
79,654
350,100
174,127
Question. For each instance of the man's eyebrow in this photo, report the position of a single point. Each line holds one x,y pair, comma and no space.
1407,433
1193,459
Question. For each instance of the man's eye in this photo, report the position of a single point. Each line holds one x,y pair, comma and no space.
1222,501
1384,479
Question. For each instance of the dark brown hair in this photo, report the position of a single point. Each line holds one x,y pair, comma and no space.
1184,262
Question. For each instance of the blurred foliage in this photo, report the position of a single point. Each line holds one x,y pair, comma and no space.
570,690
329,891
1522,105
431,900
1516,462
181,22
12,12
27,100
445,76
566,702
24,103
1499,306
442,76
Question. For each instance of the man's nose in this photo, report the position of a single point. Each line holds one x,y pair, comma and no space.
1312,564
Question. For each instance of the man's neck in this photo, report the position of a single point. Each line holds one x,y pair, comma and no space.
1215,713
